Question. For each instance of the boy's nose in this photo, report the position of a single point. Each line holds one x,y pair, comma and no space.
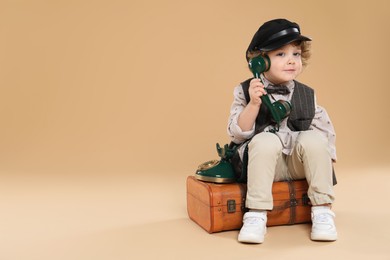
291,61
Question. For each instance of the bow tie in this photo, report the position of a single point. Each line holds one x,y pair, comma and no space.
277,89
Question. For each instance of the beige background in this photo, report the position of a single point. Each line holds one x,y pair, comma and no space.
107,106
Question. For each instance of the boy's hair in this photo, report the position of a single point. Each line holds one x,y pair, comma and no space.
305,55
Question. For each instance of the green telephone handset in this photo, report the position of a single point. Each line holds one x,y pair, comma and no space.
279,109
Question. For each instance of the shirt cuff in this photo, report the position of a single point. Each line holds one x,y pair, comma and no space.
239,136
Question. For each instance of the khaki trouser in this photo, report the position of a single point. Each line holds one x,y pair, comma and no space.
310,159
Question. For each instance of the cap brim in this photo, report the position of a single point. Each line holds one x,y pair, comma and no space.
284,41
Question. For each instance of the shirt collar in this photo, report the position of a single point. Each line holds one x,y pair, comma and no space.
290,84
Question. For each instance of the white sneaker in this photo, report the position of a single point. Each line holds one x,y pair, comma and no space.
323,227
254,227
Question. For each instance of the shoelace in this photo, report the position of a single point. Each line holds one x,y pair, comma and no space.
253,220
323,218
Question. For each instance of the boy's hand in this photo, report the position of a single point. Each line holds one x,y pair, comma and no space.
256,90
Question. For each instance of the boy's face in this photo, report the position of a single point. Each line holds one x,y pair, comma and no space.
286,64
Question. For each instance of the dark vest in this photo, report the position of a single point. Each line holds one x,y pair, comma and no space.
302,112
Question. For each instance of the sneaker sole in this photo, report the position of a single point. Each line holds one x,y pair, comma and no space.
323,237
251,240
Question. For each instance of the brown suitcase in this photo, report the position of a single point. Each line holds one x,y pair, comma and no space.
220,207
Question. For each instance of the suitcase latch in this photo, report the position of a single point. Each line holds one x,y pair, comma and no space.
231,206
305,199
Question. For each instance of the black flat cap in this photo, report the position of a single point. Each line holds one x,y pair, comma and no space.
275,34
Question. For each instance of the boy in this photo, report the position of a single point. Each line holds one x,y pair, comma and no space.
302,147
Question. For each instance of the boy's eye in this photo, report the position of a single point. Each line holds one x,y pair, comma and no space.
280,54
297,54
